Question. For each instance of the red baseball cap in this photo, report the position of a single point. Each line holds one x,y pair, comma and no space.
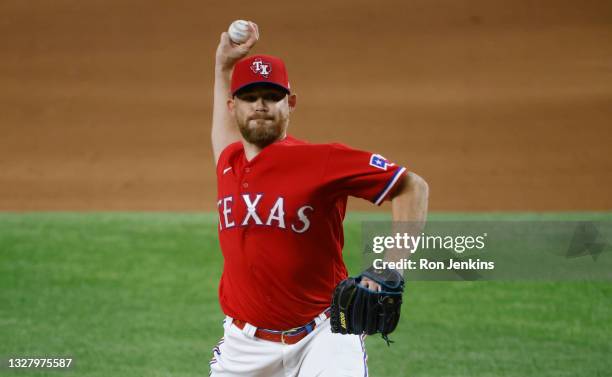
259,69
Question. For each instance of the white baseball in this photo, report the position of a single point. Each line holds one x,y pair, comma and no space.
239,31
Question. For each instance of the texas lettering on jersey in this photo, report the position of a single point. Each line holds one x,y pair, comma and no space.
274,217
280,220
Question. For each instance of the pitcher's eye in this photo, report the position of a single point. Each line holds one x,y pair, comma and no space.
274,96
248,97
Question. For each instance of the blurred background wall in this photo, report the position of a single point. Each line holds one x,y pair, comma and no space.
500,105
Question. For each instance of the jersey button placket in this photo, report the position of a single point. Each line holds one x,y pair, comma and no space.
245,184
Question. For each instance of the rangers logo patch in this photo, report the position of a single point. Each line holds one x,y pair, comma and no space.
380,162
262,68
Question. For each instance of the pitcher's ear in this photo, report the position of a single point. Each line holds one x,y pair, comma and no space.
230,105
292,101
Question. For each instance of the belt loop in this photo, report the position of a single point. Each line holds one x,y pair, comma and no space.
227,322
249,330
320,318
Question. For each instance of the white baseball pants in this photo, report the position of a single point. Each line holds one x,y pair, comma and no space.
321,353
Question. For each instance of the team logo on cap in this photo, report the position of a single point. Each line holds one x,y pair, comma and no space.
262,68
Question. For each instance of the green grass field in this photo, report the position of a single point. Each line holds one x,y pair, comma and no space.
136,295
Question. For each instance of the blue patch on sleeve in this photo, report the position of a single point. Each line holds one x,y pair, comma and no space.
379,161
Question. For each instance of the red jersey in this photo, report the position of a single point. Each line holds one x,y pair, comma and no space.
280,226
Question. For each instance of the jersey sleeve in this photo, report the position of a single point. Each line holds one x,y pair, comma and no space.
361,174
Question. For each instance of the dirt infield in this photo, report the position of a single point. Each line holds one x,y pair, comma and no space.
106,105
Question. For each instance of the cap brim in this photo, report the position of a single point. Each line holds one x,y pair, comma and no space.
261,83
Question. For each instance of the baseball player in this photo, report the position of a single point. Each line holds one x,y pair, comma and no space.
281,203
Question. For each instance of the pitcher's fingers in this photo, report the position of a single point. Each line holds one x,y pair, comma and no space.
255,27
253,37
371,285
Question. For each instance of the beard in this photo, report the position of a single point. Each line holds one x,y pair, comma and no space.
262,131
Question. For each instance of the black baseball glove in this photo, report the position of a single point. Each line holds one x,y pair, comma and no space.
359,310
